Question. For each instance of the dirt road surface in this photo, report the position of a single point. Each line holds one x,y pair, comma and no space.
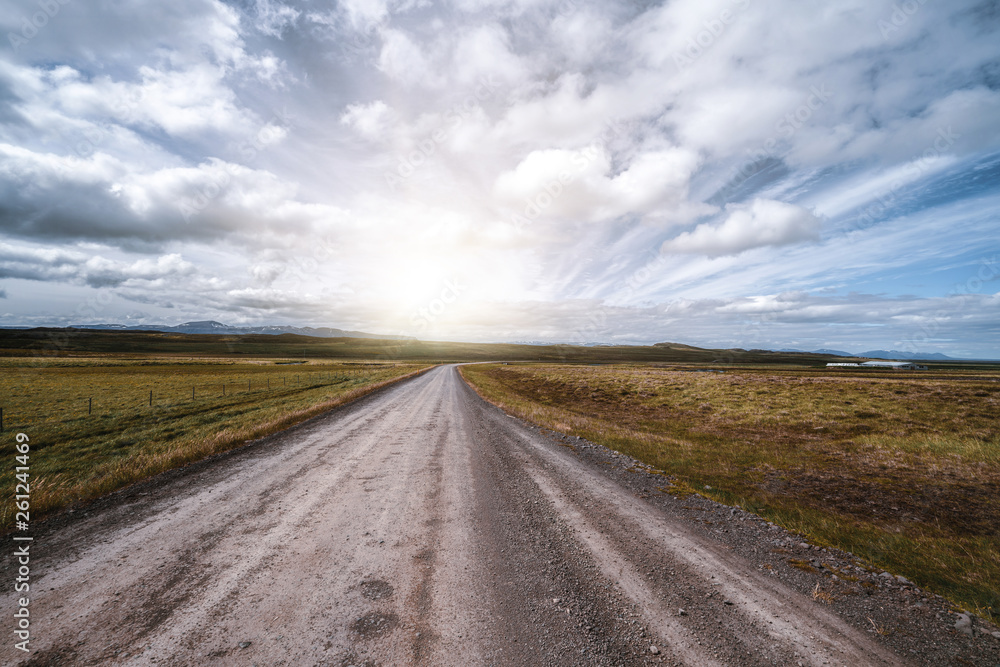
423,526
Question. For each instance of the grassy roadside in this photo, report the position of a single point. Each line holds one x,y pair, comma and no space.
901,469
93,430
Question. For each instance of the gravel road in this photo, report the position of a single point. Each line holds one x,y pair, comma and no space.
421,525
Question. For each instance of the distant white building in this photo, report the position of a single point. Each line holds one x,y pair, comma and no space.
894,365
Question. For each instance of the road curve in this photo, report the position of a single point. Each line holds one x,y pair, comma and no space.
417,526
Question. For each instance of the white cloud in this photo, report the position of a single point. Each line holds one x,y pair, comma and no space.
368,120
561,114
579,185
762,223
584,36
274,17
403,60
103,198
485,52
364,13
182,103
80,267
956,124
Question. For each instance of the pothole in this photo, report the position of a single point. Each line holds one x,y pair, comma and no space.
375,624
376,590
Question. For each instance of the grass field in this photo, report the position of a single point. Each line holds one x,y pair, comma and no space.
900,468
93,428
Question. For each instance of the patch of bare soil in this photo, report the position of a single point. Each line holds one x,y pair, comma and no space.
944,504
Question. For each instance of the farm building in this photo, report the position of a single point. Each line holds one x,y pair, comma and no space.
894,365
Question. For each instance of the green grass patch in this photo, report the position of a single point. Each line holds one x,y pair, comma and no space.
93,428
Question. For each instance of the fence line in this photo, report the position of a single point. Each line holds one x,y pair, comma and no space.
312,381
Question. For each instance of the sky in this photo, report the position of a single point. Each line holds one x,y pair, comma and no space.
722,173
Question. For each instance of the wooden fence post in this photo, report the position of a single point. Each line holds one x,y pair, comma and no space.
150,398
90,405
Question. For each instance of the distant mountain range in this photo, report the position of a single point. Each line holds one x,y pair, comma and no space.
882,354
212,327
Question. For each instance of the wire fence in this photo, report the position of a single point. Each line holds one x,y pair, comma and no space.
99,402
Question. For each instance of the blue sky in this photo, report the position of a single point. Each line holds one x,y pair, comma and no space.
729,174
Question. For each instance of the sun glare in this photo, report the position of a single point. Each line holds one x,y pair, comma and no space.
410,283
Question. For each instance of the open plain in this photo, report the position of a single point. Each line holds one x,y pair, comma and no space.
422,525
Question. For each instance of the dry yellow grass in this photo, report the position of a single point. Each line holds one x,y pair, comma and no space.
903,469
821,595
